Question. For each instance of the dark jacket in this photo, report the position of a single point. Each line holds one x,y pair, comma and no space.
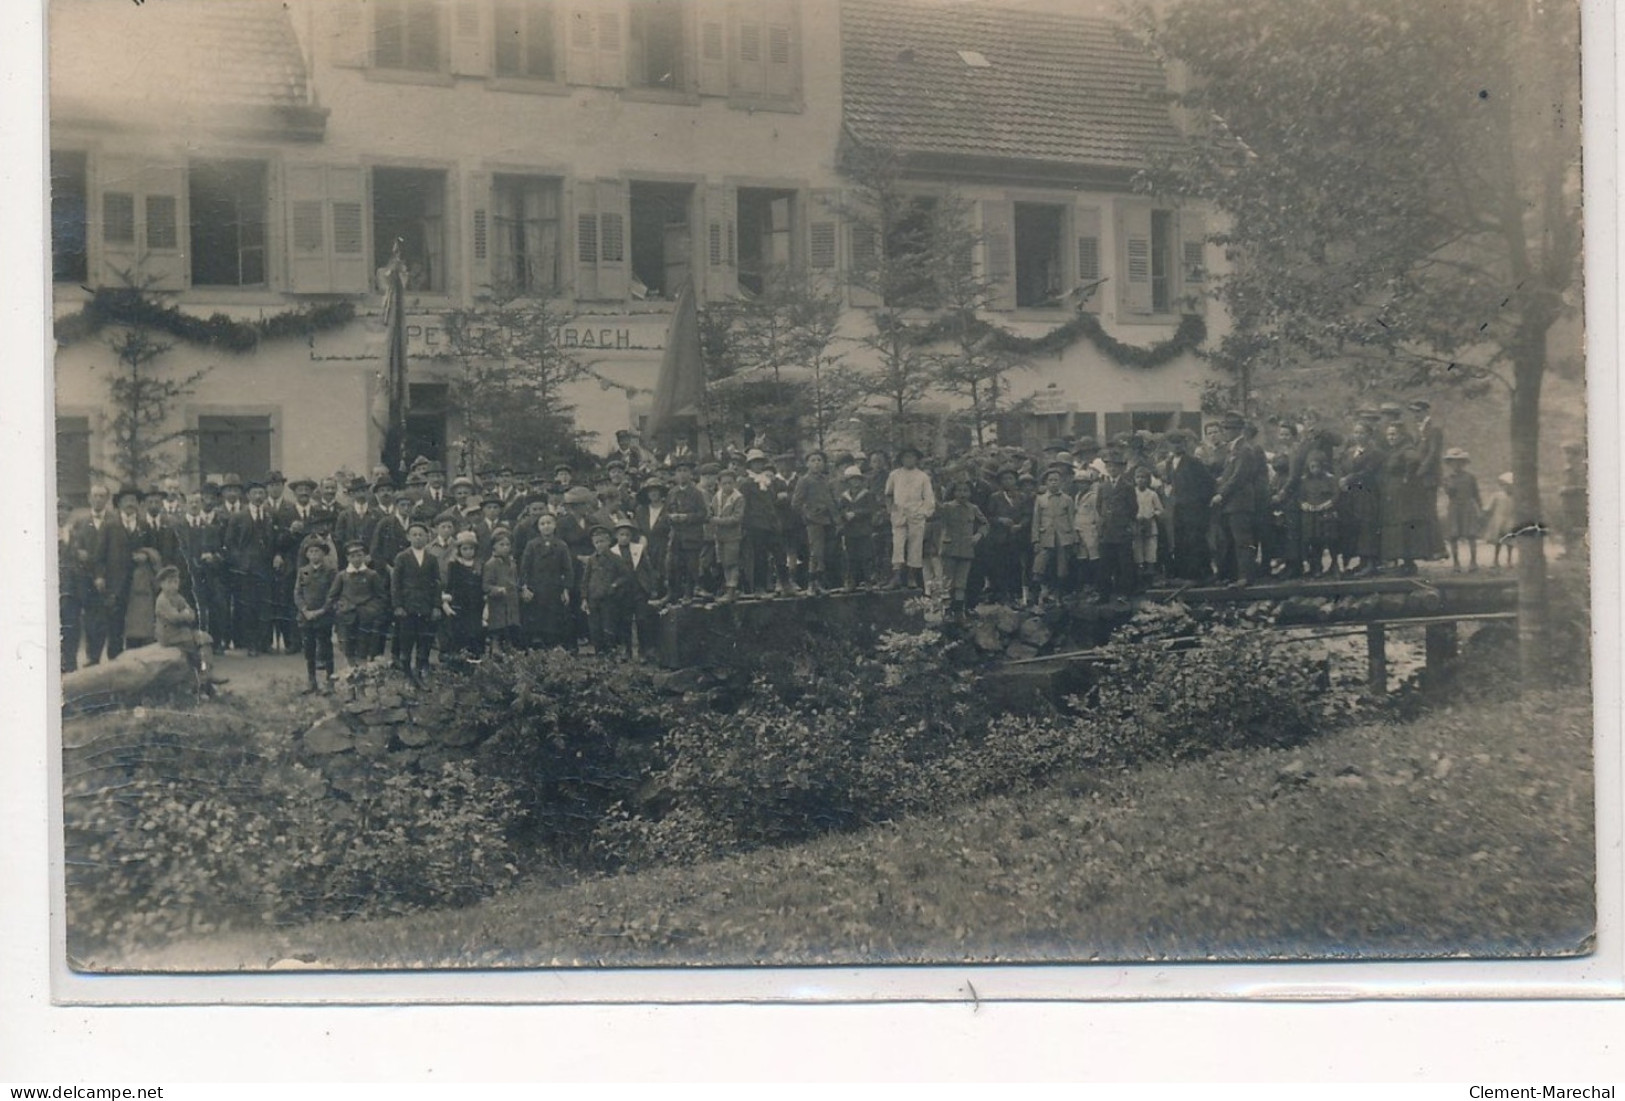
313,590
606,576
359,597
1119,507
415,588
1244,485
814,499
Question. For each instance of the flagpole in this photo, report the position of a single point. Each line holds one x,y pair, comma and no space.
394,456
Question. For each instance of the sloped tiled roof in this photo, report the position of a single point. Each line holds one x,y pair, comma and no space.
224,53
1058,88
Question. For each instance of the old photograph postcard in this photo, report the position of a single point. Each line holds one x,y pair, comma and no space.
591,485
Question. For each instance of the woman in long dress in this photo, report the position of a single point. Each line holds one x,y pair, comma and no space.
1404,530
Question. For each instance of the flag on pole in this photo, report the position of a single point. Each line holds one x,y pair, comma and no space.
680,389
394,456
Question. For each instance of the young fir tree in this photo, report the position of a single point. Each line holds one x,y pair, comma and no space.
515,367
142,399
900,262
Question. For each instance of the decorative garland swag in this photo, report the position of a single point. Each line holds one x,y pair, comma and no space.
1188,337
127,306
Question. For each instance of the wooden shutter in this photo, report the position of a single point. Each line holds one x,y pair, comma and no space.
1086,227
614,244
309,261
471,38
749,60
584,212
721,242
1134,258
612,24
480,229
142,225
347,208
1193,256
823,231
348,34
1191,422
1116,425
779,49
581,45
711,16
998,251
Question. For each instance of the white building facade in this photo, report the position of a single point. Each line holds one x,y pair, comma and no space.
247,158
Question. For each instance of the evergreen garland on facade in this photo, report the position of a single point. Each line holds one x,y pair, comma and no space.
131,307
1188,337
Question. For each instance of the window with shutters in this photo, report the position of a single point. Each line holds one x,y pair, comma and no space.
118,217
523,234
406,35
409,205
763,61
766,216
657,45
1162,261
525,43
73,459
662,239
227,208
69,213
1040,280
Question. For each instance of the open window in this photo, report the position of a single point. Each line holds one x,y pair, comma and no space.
409,205
69,238
1039,231
228,211
766,216
526,47
657,55
406,34
662,238
524,234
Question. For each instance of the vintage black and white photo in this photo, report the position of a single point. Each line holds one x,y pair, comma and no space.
677,483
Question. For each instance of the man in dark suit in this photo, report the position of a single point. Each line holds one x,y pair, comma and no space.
359,519
250,544
415,586
117,539
1238,496
1118,506
1190,493
200,538
1429,471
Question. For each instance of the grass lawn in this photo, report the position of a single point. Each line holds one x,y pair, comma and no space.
1465,832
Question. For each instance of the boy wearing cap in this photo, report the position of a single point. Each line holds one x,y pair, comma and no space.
415,585
606,580
360,602
1465,511
312,593
689,512
859,511
176,625
728,528
639,613
814,502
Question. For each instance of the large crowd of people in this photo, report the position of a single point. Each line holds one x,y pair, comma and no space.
564,557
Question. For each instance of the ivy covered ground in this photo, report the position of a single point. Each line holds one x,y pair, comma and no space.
1465,831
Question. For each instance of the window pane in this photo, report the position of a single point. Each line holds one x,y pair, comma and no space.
408,205
162,231
1038,254
118,218
227,209
68,212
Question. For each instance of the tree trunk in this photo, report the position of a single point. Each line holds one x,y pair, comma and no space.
1529,365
